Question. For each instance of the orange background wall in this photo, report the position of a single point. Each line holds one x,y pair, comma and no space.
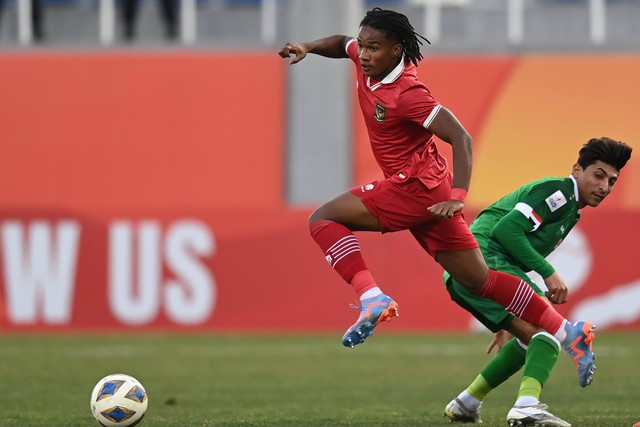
191,147
529,116
103,132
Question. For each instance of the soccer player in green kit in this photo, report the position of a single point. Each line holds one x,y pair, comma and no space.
515,234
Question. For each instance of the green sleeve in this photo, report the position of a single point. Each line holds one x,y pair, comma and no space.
510,232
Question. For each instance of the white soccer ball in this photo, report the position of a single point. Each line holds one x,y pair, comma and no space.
119,400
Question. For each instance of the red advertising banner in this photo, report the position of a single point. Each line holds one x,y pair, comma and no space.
260,270
146,192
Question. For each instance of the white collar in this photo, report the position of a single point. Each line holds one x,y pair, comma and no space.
575,187
389,78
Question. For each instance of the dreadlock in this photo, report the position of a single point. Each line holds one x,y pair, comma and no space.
607,150
396,26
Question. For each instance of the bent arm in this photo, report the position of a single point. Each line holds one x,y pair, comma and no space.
447,127
510,232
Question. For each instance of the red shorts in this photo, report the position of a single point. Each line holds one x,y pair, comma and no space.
401,204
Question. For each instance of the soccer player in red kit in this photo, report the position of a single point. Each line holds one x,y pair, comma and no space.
418,193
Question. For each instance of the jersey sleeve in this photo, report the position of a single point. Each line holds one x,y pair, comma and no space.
352,49
418,105
510,232
542,203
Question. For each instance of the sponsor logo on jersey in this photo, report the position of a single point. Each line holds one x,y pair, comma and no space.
556,201
380,113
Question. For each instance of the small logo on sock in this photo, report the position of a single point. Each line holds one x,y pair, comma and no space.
329,259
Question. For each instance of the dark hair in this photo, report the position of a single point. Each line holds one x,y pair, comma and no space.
396,26
607,150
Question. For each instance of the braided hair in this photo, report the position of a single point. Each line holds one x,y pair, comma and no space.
396,26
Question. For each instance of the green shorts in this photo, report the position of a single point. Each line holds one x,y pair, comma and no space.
489,313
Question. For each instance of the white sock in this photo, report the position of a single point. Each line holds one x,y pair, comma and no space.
526,401
373,292
469,401
561,334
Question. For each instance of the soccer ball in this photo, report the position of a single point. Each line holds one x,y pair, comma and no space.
119,400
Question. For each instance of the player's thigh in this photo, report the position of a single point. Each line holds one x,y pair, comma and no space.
349,210
491,314
467,267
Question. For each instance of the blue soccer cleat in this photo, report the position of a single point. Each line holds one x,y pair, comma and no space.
580,336
376,309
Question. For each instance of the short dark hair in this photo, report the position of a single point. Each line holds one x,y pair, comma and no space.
607,150
396,26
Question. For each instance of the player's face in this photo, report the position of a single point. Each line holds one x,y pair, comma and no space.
378,55
594,183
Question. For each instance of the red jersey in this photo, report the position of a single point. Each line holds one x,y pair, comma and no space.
398,111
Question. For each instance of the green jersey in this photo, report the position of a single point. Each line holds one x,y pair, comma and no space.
515,235
546,210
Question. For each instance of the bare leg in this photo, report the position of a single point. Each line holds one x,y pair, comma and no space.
348,210
523,330
332,227
466,267
470,270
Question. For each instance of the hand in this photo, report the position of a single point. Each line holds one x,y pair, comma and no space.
445,210
500,338
558,292
293,49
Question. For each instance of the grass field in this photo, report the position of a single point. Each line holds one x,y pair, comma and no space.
301,380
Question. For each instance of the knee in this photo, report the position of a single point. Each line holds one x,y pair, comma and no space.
315,217
317,226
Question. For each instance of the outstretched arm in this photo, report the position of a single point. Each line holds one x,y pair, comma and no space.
331,47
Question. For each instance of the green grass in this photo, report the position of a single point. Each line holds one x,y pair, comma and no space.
285,380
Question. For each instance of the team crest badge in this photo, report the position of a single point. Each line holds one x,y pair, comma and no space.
380,113
367,187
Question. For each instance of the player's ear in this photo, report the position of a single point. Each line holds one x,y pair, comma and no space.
577,170
397,50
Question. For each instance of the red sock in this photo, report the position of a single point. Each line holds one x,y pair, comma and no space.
342,251
521,300
362,281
